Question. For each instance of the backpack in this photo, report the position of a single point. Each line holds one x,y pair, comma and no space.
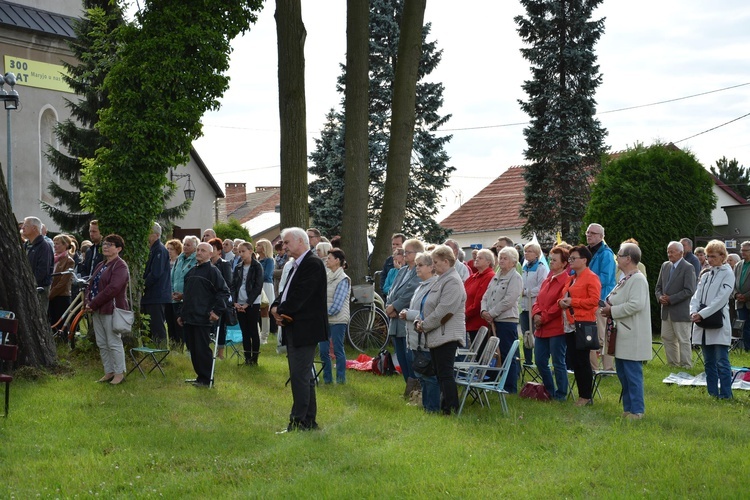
382,364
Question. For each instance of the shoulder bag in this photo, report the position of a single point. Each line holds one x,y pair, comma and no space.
714,321
122,319
587,336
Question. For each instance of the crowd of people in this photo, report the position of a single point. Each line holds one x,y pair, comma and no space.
434,300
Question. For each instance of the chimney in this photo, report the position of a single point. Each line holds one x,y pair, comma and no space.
236,196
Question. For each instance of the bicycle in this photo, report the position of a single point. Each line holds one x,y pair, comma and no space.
74,321
368,326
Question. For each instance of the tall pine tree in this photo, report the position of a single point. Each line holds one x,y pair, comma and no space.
734,175
564,140
430,170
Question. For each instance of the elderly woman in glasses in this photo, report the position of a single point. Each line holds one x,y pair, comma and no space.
712,296
628,308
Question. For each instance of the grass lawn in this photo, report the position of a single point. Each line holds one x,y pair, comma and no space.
69,437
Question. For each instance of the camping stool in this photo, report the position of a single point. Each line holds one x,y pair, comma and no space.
571,384
737,328
656,347
699,351
598,376
532,371
155,355
232,345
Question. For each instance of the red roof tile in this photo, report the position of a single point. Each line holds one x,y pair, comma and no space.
494,208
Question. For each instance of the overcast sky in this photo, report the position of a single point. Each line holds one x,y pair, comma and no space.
651,51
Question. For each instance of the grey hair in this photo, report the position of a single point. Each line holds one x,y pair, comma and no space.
192,238
631,250
745,244
677,245
424,258
34,221
597,226
687,242
510,252
487,254
238,241
323,247
156,229
297,233
735,257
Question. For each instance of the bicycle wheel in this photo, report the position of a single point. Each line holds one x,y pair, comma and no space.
80,327
368,329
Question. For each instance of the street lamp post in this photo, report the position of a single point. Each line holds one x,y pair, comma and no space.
10,99
189,187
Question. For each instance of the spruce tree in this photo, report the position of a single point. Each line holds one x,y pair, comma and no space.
94,49
430,170
564,140
734,175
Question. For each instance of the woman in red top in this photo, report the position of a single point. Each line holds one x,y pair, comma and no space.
580,299
475,286
548,324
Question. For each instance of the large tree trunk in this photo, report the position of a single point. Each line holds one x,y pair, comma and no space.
356,161
291,35
18,291
402,130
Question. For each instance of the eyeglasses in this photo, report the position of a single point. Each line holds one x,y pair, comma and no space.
622,255
573,259
108,244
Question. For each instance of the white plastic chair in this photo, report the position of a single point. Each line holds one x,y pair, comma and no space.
470,353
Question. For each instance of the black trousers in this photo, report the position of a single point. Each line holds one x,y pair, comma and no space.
442,359
176,333
304,405
156,323
248,321
57,307
198,342
580,363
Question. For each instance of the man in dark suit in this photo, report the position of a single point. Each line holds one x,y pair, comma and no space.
302,312
742,292
674,289
157,293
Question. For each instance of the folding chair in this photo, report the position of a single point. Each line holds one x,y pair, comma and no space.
532,371
8,328
737,327
475,382
148,353
470,353
8,355
699,352
598,376
657,346
460,367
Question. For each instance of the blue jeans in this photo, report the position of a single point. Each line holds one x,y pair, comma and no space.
523,319
507,332
556,347
718,370
404,358
430,390
630,374
744,313
336,335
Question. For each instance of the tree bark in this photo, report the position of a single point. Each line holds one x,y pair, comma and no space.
291,34
402,130
18,292
356,156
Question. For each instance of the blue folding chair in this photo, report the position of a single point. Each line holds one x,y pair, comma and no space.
474,380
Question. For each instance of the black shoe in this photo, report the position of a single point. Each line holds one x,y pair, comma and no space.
201,385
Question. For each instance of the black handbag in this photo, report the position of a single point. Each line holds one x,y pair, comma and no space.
230,315
587,336
422,362
716,320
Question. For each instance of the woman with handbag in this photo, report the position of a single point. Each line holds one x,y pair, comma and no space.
579,301
247,284
339,289
548,324
709,311
444,324
628,309
500,307
226,272
417,342
105,292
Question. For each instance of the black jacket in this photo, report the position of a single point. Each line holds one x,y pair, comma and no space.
306,303
157,277
93,257
42,260
205,291
253,283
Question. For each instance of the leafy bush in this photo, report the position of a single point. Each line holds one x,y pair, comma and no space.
232,229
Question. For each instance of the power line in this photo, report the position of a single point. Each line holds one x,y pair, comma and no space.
713,128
